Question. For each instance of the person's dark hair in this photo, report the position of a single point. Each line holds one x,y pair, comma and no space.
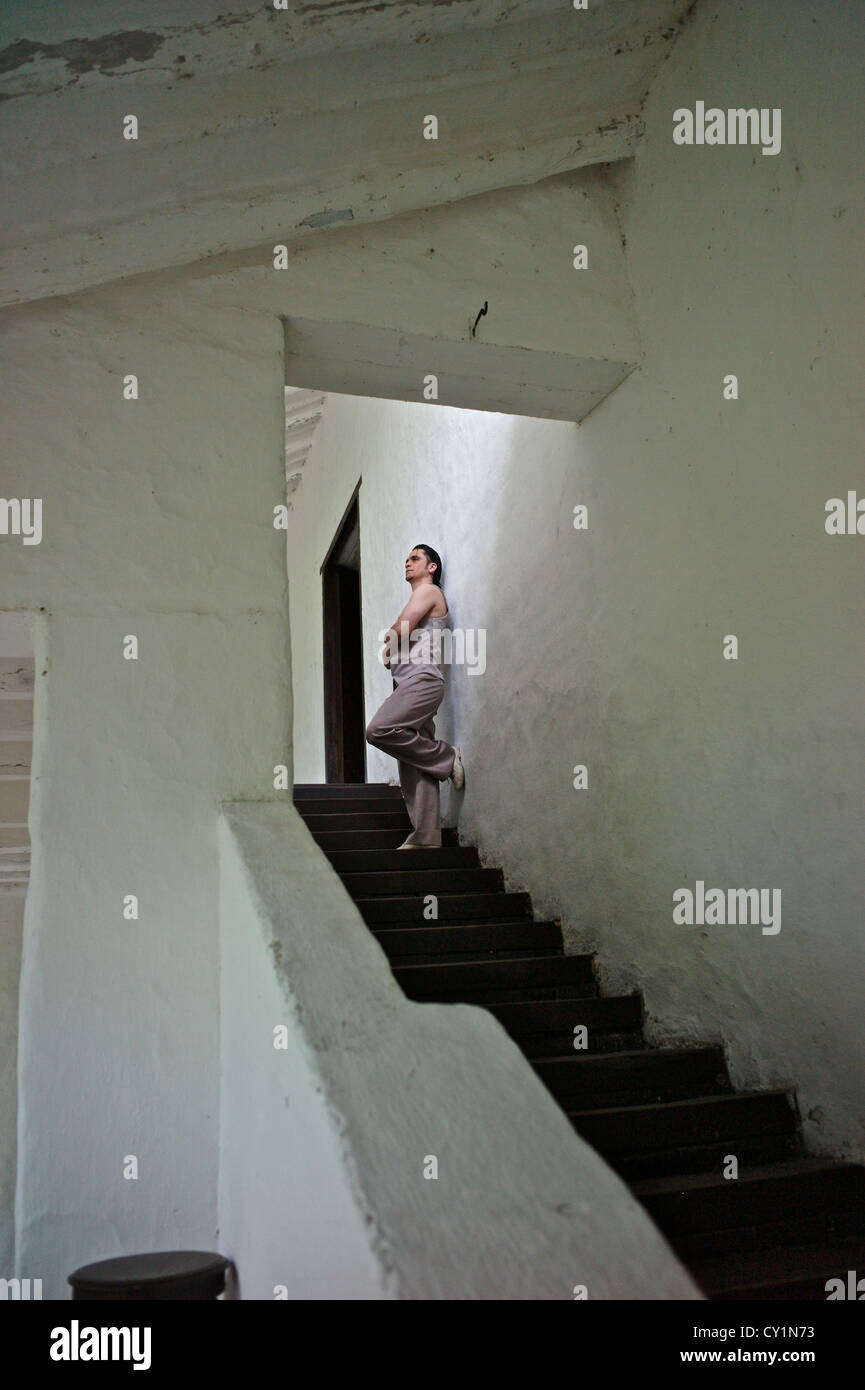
433,558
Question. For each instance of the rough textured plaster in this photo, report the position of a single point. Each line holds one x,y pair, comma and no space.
157,521
226,33
248,134
427,274
288,1214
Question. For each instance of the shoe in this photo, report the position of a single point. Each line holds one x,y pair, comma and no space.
407,845
458,772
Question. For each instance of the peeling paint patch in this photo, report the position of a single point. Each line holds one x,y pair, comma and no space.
105,54
324,219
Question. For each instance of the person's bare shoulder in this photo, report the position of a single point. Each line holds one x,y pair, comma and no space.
424,600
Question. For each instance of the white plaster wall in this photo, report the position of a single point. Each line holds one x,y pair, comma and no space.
287,121
709,519
157,518
327,1195
428,273
287,1215
474,485
706,518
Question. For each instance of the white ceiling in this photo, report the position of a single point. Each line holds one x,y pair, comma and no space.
259,125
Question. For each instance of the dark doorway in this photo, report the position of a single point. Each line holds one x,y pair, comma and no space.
344,722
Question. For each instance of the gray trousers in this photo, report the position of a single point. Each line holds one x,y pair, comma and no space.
403,727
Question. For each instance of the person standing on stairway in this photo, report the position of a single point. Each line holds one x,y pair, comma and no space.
403,726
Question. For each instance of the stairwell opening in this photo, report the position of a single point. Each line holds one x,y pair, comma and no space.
499,496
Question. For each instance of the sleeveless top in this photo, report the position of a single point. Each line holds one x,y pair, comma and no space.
425,649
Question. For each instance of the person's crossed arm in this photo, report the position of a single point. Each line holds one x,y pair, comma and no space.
422,601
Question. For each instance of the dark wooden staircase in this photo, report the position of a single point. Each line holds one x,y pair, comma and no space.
663,1117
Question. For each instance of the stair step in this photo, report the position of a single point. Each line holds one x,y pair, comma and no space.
452,907
360,821
600,1040
628,1078
546,1028
787,1201
309,806
791,1272
639,1129
504,919
464,981
350,861
474,941
457,957
345,791
414,882
752,1151
361,840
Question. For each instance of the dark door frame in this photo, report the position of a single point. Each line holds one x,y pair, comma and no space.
342,753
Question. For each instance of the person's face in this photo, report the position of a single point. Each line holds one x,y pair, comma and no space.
417,565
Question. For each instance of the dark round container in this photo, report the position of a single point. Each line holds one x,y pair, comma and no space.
163,1274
